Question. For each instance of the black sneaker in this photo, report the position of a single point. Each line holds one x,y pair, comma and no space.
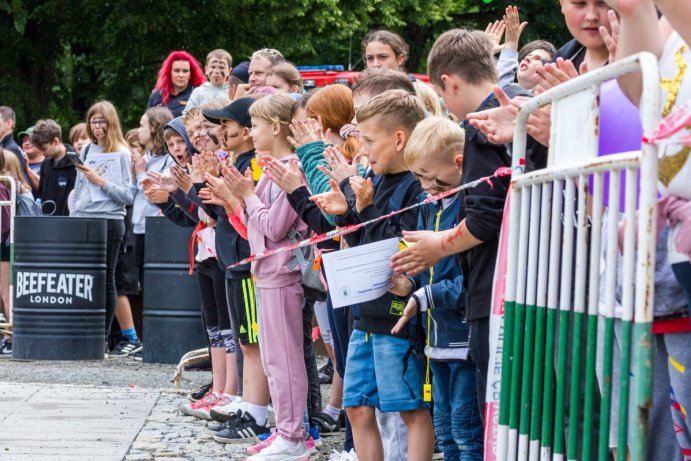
242,429
125,348
6,347
438,454
214,427
326,424
326,373
194,396
138,356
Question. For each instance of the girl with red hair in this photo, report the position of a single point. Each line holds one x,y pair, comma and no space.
180,73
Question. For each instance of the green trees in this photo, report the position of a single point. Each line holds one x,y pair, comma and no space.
59,56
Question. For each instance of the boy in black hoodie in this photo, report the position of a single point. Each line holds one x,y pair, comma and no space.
382,371
58,173
462,69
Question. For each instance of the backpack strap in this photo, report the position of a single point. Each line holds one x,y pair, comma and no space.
396,200
86,152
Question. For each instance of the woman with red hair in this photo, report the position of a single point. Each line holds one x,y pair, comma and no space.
180,73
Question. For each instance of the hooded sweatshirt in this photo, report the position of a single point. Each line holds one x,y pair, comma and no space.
204,93
119,194
142,206
57,181
269,217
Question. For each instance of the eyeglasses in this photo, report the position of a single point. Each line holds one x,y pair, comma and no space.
98,123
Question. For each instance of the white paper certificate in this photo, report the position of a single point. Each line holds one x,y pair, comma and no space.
359,274
108,167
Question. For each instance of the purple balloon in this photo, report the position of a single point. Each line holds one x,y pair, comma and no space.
620,130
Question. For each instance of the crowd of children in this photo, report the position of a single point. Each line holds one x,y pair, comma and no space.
253,164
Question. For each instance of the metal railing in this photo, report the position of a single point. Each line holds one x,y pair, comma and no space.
548,340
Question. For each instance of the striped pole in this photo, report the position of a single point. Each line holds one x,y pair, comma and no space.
627,302
529,339
610,300
579,312
518,332
546,439
509,314
540,315
564,311
593,306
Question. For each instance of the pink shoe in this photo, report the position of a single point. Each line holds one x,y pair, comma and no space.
190,407
254,449
311,445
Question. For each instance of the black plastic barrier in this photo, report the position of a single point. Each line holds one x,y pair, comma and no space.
172,306
59,288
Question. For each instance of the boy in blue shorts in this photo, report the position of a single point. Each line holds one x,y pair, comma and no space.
434,154
382,370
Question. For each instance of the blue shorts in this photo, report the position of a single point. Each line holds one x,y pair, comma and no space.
377,376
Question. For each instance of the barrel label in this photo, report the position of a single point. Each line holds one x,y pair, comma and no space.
54,288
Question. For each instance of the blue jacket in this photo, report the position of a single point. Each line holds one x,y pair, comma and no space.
439,288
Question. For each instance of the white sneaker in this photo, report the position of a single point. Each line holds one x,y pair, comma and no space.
224,412
343,456
282,450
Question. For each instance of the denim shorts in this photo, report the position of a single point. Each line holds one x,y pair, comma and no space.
377,375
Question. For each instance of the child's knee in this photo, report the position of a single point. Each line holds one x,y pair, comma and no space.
360,414
419,416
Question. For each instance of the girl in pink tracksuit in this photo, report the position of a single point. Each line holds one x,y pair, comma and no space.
269,219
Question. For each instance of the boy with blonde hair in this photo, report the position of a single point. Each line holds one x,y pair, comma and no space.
434,154
382,370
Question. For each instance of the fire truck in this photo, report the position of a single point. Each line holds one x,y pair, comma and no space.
315,76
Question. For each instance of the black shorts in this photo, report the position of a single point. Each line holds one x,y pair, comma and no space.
126,273
242,305
4,252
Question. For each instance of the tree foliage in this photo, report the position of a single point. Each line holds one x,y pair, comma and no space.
59,56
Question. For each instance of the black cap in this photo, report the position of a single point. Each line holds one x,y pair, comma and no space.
238,111
242,71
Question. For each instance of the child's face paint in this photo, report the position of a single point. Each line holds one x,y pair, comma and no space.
437,175
217,71
232,135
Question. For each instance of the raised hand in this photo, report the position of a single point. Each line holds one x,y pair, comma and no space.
220,191
496,31
364,192
307,131
166,183
338,167
183,181
333,202
240,185
553,74
287,177
156,195
611,39
498,123
514,27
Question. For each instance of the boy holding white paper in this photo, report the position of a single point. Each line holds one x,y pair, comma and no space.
434,155
382,370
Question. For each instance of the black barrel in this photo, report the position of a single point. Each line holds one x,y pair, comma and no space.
59,288
172,305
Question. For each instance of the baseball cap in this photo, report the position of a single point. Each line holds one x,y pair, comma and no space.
237,111
26,132
242,71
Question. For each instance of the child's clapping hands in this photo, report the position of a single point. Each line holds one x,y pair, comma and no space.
287,177
333,202
364,192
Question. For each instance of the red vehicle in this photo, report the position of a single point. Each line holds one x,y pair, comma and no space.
315,76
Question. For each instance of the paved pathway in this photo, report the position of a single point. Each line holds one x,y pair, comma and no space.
70,423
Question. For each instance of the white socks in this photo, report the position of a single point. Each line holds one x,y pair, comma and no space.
258,412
